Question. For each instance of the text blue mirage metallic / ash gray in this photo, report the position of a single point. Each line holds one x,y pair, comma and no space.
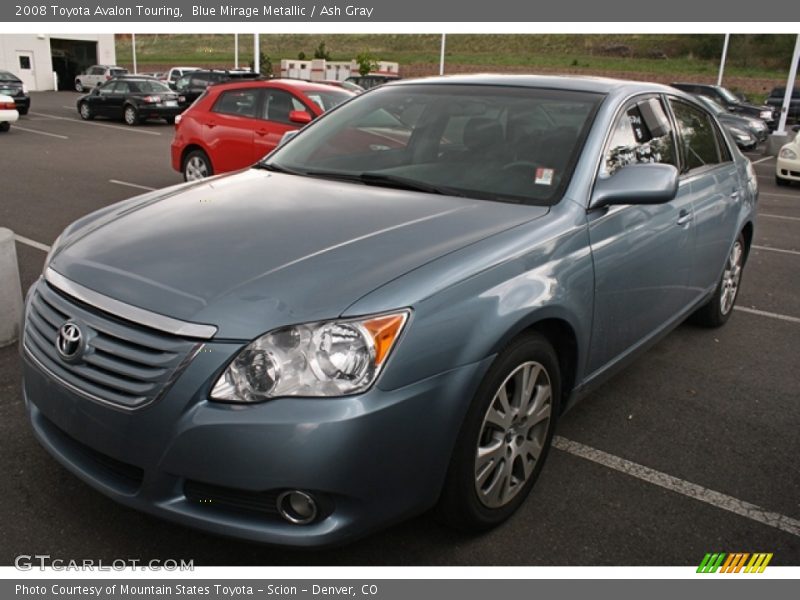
390,311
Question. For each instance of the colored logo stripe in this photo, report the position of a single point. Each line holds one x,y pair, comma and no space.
734,562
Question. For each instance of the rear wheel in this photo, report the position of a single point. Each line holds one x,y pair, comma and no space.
505,437
170,120
5,126
22,111
131,116
718,310
86,111
196,166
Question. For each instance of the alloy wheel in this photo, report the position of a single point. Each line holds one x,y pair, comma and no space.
731,278
196,168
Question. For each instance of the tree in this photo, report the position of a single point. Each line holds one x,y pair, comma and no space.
322,52
265,65
366,63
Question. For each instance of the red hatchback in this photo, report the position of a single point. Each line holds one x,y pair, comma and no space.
233,125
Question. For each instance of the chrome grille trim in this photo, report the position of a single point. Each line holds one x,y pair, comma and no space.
129,312
122,365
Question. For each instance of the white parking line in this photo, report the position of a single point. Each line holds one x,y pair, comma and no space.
680,486
133,185
761,160
55,135
764,313
120,127
32,243
792,196
771,216
781,250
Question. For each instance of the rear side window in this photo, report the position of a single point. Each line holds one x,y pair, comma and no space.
243,103
699,136
642,134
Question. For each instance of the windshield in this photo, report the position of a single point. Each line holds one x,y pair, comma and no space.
6,76
327,100
729,95
512,144
711,105
149,87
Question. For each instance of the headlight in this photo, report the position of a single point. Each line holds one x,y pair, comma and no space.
324,359
758,124
787,152
740,134
24,89
766,114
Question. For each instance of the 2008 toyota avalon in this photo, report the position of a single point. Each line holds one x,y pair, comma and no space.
390,311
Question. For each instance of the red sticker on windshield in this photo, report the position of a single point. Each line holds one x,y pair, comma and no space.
544,176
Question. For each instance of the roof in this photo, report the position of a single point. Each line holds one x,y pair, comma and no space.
298,84
601,85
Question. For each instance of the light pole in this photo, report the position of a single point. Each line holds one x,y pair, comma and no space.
724,56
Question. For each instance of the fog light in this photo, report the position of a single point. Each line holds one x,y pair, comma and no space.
297,507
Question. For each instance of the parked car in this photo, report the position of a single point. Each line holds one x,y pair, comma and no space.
8,112
747,132
348,85
191,86
130,98
234,124
787,167
731,102
11,85
372,80
94,76
171,77
775,100
347,335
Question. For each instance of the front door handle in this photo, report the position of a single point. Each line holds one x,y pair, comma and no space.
684,216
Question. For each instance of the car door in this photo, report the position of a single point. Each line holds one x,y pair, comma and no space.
229,129
711,175
274,119
94,76
116,99
642,253
99,99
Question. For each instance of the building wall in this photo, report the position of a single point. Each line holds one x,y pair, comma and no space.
41,76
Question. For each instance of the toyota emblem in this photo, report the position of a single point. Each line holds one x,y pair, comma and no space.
69,341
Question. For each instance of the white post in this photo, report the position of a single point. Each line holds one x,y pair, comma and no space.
256,54
236,50
441,55
787,97
10,289
724,56
133,47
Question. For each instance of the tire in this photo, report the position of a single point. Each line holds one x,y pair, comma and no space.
22,111
499,452
130,115
717,311
170,120
5,126
781,181
197,166
79,86
85,111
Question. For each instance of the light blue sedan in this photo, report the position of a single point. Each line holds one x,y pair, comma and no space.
389,312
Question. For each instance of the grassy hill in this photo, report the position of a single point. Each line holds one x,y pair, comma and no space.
754,61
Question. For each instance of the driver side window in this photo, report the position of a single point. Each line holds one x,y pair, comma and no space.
641,134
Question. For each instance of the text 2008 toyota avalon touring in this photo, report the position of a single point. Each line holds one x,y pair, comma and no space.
389,312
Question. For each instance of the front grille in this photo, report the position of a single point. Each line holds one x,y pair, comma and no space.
122,364
217,496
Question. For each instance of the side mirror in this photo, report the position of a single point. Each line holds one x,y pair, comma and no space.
648,183
299,116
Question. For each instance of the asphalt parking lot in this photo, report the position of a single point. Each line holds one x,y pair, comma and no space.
693,449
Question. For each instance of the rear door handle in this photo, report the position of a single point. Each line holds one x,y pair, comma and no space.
262,132
735,195
684,216
211,124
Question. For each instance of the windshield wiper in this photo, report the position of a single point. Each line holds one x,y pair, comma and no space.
275,168
387,180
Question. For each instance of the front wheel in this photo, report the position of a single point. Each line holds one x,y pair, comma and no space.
505,437
78,86
718,309
86,112
131,116
781,181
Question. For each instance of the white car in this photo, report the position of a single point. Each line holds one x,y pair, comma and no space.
8,112
95,75
176,73
787,168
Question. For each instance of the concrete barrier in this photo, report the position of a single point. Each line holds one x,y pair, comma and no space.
774,142
10,290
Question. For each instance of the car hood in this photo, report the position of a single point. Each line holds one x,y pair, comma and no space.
257,250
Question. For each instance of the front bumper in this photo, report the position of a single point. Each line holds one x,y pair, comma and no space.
788,169
371,459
